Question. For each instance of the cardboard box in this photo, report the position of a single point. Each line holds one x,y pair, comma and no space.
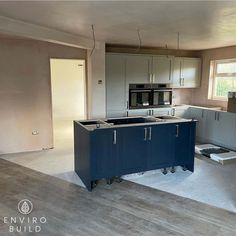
231,105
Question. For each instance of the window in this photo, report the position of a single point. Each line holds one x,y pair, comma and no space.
222,78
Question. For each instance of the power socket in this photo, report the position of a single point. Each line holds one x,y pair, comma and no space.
35,132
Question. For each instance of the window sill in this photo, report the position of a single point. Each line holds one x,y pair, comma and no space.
218,99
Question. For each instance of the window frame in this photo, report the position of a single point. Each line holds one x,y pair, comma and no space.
214,75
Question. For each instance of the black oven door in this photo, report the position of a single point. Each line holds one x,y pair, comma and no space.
140,98
162,98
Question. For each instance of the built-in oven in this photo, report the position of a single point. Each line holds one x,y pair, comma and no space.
162,97
149,96
140,95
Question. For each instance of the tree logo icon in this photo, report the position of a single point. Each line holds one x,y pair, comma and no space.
25,206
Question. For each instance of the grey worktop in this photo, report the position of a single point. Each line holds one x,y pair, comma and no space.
105,125
217,108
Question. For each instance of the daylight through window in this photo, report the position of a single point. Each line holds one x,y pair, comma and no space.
223,74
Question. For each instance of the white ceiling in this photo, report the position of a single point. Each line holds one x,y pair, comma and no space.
201,24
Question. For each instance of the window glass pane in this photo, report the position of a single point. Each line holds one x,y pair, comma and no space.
226,67
223,85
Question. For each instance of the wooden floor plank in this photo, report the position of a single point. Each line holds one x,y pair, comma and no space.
120,209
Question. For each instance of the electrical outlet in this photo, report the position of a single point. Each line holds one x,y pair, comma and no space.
35,132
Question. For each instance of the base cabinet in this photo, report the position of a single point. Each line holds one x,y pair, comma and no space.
216,127
200,115
151,112
110,152
221,128
184,145
103,154
161,146
131,149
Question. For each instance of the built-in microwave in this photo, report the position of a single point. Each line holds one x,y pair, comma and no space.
149,96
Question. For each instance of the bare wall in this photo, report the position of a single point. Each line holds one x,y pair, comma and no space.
96,82
200,96
25,93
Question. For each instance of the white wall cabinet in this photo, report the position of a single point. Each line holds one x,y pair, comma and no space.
149,69
124,69
115,85
162,69
186,72
138,69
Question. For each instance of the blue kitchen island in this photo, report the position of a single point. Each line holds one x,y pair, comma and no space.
114,147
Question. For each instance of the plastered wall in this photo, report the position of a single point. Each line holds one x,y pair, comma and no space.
25,92
200,96
96,83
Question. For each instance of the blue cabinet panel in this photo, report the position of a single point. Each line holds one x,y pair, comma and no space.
184,145
132,149
103,153
161,146
108,152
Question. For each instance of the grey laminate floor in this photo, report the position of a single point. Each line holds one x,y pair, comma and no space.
210,183
120,209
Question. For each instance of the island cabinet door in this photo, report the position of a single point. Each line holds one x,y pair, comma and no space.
132,149
103,153
184,144
161,146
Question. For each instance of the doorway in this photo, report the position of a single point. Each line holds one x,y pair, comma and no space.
68,99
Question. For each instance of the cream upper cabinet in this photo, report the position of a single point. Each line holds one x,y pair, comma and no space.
115,85
161,69
148,69
186,72
138,69
176,73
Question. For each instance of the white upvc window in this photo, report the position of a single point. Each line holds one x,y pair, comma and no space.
222,78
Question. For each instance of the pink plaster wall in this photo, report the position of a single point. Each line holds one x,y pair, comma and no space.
25,92
200,96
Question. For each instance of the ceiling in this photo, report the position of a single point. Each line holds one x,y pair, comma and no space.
201,25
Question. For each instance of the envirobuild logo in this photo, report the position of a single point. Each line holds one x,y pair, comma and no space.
25,223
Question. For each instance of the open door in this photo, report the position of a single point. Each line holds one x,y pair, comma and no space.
68,98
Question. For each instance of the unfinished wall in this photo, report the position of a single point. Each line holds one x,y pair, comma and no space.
25,93
200,96
182,96
96,82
